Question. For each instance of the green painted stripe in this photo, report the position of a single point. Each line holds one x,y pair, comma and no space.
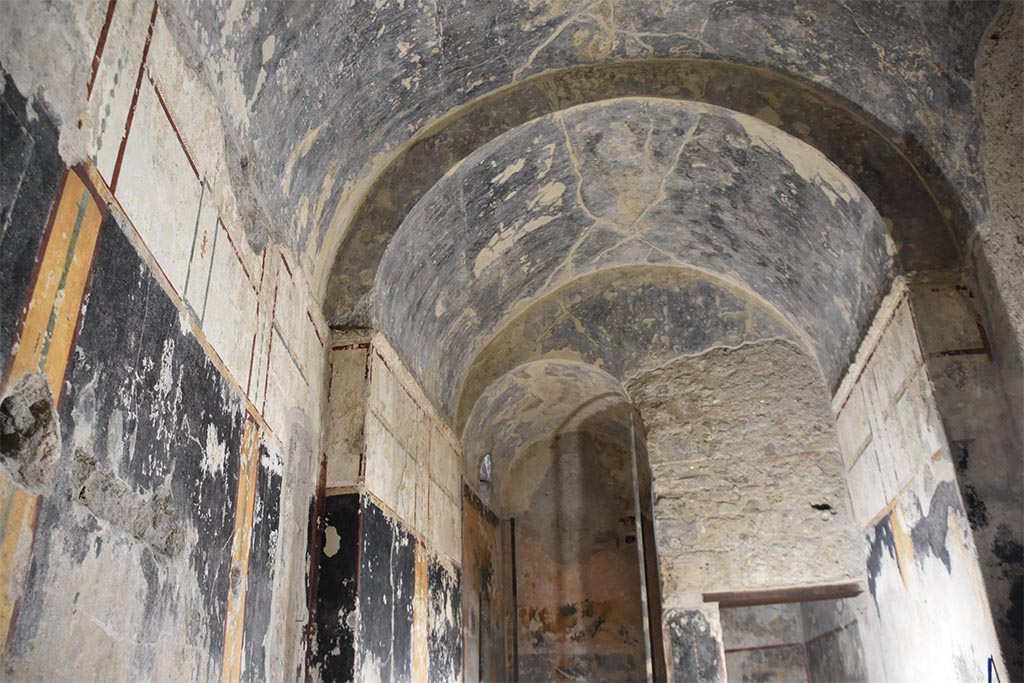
5,517
68,258
209,272
192,251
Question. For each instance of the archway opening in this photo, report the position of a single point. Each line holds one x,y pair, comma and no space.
568,488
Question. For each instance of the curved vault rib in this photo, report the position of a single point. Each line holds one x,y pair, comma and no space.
908,192
626,320
700,187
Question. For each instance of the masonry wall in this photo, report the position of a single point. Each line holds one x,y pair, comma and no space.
748,486
928,617
157,518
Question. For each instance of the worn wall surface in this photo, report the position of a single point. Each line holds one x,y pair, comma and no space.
579,620
996,255
550,443
693,643
748,484
623,320
906,69
487,593
930,614
156,491
578,595
813,641
765,643
984,442
333,655
185,366
832,638
165,359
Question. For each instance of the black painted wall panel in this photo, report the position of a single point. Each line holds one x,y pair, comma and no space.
144,402
334,655
262,559
387,570
30,172
444,620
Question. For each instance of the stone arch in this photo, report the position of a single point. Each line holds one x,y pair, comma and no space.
928,222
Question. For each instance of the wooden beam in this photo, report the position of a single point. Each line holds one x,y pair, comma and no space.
773,596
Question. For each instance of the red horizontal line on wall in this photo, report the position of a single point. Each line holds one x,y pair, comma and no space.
831,632
776,646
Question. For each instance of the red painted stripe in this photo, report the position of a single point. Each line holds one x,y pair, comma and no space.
347,347
174,127
99,47
832,632
270,347
135,102
238,254
762,647
252,357
315,329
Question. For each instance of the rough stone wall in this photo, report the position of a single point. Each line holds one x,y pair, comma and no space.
997,253
929,615
201,405
748,484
